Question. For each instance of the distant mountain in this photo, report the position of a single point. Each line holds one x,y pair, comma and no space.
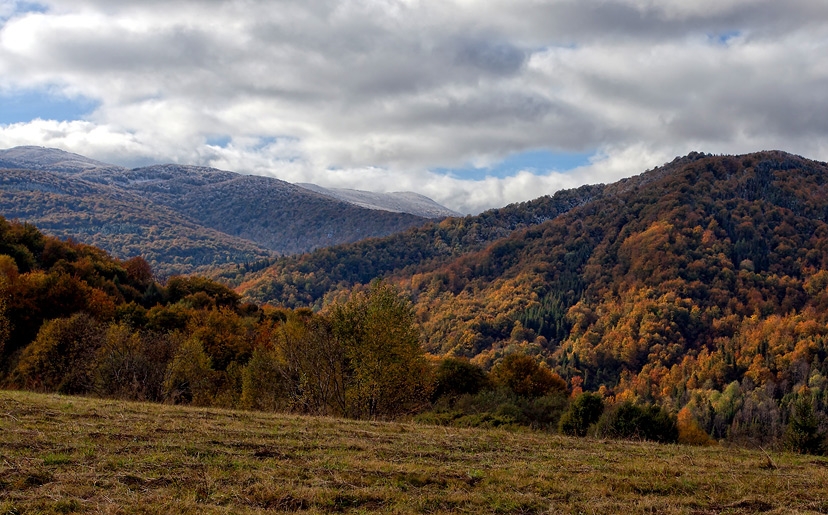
398,201
47,159
181,218
119,221
273,214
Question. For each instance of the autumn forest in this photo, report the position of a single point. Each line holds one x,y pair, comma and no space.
689,303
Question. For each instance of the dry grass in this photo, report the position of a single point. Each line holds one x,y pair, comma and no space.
67,454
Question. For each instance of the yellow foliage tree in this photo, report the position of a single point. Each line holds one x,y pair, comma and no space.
689,431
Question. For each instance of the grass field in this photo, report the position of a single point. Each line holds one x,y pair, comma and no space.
68,454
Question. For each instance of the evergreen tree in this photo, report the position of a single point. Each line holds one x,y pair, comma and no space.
803,434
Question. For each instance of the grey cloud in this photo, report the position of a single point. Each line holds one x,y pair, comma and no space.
179,47
492,58
588,21
400,87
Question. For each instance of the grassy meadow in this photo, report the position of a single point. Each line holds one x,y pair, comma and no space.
77,455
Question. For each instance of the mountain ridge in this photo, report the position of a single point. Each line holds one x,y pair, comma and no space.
61,161
701,284
226,218
397,201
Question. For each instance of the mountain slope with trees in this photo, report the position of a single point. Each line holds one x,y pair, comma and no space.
305,280
181,218
120,222
686,304
702,284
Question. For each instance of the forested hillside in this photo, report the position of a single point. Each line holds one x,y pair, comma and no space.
700,284
686,303
305,280
76,321
182,219
273,214
120,222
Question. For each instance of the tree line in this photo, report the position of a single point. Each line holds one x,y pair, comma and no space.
76,321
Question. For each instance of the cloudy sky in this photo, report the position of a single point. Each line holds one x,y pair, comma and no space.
473,103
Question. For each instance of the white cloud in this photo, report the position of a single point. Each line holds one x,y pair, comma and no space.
374,93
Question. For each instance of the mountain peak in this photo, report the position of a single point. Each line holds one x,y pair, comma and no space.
397,202
47,159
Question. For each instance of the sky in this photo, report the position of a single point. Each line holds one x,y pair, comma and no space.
475,104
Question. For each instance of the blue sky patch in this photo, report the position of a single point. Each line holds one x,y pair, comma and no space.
25,106
219,141
725,38
534,161
22,8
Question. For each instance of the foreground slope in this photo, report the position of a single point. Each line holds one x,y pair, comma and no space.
70,454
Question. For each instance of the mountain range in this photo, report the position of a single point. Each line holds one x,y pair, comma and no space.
707,273
700,286
184,219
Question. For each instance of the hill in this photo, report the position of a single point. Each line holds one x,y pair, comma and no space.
700,283
120,222
181,218
128,457
273,214
76,321
305,280
398,201
47,159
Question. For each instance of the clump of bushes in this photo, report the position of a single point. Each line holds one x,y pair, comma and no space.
630,421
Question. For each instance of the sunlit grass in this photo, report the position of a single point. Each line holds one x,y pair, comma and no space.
68,455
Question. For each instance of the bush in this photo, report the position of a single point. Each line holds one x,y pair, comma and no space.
460,419
189,376
263,386
584,411
62,357
132,365
689,431
630,421
526,377
498,407
455,377
386,370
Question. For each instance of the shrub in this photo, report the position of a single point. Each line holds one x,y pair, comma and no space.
583,411
689,431
132,365
189,376
387,373
455,377
263,386
526,377
62,357
630,421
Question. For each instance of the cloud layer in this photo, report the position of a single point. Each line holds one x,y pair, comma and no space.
375,94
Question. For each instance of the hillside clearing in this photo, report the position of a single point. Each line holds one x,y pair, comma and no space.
70,454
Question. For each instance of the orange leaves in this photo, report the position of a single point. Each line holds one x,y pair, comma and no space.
525,376
689,431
